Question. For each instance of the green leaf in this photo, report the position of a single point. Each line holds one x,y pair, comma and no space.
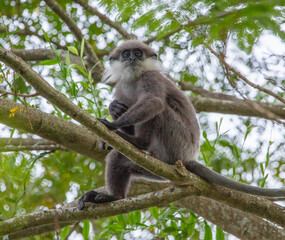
77,67
208,232
236,152
10,200
154,212
192,222
261,168
85,230
263,180
67,58
64,232
138,216
73,50
122,220
219,234
205,157
248,130
82,47
49,62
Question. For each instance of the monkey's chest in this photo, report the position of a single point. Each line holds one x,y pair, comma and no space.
126,93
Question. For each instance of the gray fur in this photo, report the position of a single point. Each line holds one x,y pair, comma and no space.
150,112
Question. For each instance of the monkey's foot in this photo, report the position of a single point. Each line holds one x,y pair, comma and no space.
94,197
104,146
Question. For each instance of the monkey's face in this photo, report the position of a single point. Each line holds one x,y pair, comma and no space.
132,58
129,61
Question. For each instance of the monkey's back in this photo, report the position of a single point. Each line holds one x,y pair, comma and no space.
181,131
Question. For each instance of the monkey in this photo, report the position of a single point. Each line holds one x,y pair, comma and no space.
151,113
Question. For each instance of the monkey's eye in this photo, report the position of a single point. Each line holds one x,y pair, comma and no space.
126,54
138,53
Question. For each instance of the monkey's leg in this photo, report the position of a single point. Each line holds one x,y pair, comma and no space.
117,175
119,171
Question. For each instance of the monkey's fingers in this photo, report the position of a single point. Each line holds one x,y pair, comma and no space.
116,102
117,109
109,125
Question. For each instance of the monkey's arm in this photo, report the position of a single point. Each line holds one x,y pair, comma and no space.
150,103
213,177
117,109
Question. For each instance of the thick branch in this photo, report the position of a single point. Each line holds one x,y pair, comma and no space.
41,54
238,223
105,19
44,54
238,107
177,174
214,102
58,130
164,196
88,50
228,218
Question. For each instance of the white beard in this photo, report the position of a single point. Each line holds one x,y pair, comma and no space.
118,71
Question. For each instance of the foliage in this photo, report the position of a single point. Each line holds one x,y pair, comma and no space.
184,30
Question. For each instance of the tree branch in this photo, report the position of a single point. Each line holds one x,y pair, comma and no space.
24,144
27,32
222,103
41,54
58,130
238,107
236,222
164,196
242,77
44,54
201,20
228,218
105,19
88,50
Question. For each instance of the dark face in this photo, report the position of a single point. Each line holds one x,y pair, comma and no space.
132,57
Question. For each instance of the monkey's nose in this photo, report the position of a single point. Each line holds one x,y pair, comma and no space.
132,57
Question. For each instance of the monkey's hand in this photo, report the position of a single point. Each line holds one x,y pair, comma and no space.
93,197
109,125
117,109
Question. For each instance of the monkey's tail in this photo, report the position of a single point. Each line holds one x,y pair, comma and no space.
213,177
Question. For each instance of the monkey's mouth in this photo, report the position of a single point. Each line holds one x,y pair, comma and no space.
132,65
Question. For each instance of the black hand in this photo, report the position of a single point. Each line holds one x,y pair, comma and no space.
109,125
116,109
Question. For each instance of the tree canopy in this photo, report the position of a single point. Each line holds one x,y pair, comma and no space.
228,58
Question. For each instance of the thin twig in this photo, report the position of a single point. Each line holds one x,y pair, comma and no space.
105,19
201,20
18,94
28,114
88,50
27,32
72,230
246,80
